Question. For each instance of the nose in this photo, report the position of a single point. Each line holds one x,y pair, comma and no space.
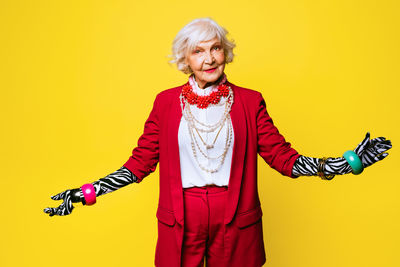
209,58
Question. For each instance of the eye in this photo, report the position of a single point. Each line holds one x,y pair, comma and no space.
216,48
197,51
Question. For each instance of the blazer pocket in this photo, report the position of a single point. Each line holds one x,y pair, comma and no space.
248,218
165,216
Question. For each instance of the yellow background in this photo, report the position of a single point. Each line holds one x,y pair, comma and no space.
78,79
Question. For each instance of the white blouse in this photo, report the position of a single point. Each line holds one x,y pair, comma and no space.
191,173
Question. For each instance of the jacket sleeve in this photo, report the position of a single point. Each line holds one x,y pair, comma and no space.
272,146
145,155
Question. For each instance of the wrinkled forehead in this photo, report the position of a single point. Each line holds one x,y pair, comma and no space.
208,43
201,36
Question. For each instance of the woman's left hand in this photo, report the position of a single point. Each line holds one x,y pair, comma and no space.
372,150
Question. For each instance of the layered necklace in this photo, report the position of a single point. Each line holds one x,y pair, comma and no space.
196,127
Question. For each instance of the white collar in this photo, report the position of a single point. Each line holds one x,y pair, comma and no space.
206,91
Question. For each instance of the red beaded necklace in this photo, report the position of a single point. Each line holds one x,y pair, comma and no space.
204,101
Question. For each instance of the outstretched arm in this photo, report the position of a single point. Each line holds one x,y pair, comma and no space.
110,183
369,151
143,161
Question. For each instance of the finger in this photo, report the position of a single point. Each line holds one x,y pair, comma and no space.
381,150
373,142
363,144
386,142
367,138
379,139
50,211
58,196
387,146
63,209
381,156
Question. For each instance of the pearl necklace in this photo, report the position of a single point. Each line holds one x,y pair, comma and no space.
192,122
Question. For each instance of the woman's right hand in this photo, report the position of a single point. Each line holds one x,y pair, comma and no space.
65,208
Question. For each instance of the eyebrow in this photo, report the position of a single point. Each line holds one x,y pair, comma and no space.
214,44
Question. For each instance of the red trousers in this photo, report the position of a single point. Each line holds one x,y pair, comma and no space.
206,237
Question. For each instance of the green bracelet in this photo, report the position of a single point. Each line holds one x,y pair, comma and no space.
354,161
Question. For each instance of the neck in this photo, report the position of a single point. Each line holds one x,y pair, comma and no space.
203,85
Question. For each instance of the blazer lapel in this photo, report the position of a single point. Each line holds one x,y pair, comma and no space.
174,118
239,150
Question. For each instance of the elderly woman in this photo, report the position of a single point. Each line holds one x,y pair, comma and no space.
207,134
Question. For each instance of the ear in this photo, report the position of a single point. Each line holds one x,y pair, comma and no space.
186,61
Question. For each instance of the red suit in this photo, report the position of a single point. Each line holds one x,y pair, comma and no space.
254,134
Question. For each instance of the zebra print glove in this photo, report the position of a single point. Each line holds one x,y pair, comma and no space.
65,208
110,183
308,166
114,181
369,151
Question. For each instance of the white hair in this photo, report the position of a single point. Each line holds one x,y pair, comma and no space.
196,31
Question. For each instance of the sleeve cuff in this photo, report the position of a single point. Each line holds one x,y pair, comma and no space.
289,166
130,165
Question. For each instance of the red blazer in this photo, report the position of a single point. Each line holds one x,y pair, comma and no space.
254,134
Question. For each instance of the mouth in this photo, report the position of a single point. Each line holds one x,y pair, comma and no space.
210,70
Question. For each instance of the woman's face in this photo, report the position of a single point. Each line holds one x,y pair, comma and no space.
207,61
